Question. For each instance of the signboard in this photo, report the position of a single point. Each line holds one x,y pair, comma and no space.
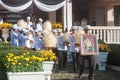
88,44
12,17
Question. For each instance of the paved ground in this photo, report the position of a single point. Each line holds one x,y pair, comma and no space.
67,74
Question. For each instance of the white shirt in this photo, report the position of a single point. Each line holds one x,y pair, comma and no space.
39,27
1,21
72,44
29,24
60,44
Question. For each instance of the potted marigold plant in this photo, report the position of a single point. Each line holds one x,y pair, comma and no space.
5,27
26,64
48,57
101,59
57,25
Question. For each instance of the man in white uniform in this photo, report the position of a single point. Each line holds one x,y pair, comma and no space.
62,50
39,25
29,23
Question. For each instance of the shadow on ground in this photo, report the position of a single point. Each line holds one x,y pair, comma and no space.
68,74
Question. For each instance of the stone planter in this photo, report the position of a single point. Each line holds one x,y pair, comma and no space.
43,75
29,75
48,66
101,60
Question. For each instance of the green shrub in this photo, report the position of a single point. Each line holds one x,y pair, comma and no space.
114,55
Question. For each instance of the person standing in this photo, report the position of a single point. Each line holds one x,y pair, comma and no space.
72,49
14,35
84,22
1,20
39,25
62,50
29,23
89,58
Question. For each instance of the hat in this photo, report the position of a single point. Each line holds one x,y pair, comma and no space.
79,27
40,19
28,18
87,27
20,28
15,26
54,30
25,31
74,27
36,30
59,30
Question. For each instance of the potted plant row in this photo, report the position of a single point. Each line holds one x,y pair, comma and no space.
28,65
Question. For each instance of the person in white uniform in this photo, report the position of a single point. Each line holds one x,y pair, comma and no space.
29,23
14,35
39,25
62,50
38,41
73,49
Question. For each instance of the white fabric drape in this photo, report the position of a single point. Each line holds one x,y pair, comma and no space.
48,8
18,8
40,5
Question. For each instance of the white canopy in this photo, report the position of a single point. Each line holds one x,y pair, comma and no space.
42,6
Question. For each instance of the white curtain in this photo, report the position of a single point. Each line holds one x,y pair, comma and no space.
40,5
48,8
18,8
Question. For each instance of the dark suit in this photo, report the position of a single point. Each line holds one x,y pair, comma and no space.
82,66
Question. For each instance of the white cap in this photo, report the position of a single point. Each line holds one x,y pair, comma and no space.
87,27
20,28
28,18
54,30
40,19
36,30
59,30
15,26
79,27
25,31
74,27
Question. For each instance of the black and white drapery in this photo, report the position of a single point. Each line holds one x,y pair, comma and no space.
44,5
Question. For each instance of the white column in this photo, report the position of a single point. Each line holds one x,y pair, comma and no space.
67,14
110,16
52,16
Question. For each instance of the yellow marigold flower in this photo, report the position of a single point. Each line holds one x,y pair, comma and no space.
8,59
19,63
31,62
13,63
27,65
27,59
21,56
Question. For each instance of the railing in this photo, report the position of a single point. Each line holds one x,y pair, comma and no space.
110,34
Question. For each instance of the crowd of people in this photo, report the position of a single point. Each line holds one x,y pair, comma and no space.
24,34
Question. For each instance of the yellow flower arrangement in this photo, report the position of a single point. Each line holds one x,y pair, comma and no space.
57,25
48,55
26,61
5,25
104,48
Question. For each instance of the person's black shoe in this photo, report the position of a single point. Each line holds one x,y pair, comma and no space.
91,78
80,78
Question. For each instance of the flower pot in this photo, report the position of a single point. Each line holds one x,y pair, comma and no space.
29,75
101,60
48,66
5,34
